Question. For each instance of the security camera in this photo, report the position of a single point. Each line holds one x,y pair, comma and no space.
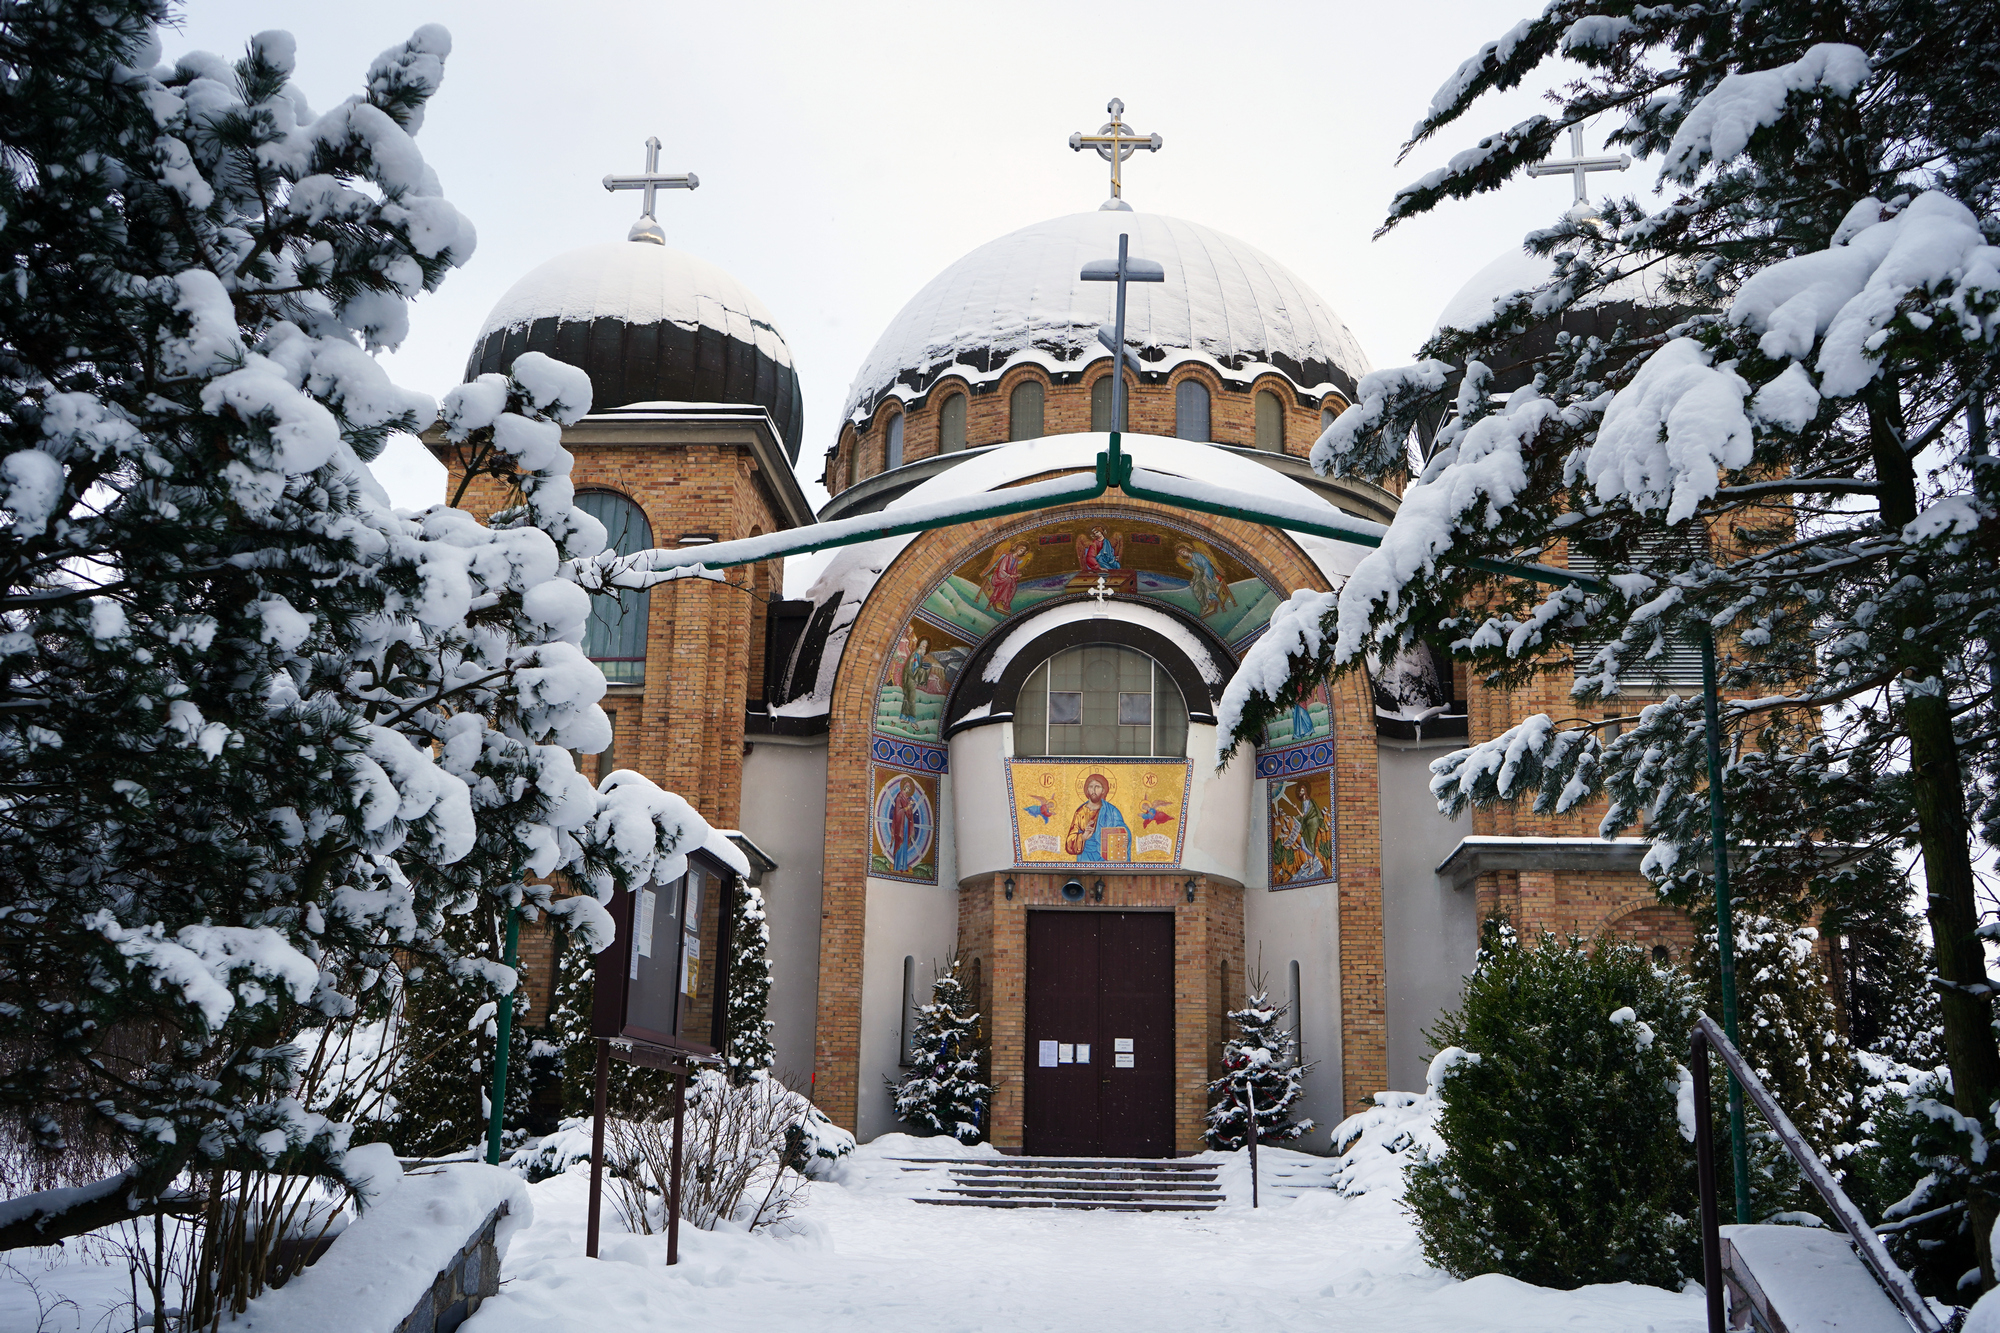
1073,891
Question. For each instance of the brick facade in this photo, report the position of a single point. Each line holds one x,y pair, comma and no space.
984,932
993,932
1149,410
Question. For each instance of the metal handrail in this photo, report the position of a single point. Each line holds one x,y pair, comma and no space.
1867,1244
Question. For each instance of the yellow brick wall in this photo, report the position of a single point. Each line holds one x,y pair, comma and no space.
1149,410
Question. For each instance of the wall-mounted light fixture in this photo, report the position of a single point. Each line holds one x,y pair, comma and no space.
1010,888
1190,890
1097,892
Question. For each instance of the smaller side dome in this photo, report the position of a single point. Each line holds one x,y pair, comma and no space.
647,324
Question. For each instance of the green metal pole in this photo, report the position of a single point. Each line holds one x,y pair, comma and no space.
506,1038
1725,931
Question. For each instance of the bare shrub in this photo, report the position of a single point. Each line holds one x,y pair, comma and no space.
736,1154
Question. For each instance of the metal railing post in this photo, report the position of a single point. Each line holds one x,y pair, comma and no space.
1725,926
1704,1170
1867,1245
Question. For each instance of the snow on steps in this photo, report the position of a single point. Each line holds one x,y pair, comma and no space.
1114,1184
1802,1280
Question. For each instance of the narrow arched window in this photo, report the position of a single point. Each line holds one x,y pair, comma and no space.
1100,699
951,424
1191,410
1270,421
892,443
615,635
1100,404
1326,416
1024,411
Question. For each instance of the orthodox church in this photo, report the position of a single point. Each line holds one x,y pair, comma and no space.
996,739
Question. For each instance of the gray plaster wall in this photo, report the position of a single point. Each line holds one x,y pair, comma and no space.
784,812
1430,930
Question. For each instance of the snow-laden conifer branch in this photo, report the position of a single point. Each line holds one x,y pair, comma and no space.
262,734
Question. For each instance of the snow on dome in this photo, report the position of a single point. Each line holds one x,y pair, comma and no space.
647,324
1519,271
1019,300
638,284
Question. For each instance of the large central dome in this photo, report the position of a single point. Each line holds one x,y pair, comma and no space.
1019,299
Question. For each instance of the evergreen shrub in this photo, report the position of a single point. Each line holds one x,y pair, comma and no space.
943,1092
1565,1161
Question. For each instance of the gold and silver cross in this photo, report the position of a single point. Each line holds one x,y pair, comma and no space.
1114,143
648,228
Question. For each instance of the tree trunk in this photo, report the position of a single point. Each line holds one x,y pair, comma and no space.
1944,834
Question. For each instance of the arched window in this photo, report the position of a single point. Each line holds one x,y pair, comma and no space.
951,424
615,635
1024,411
1100,699
1270,422
1326,416
1100,404
892,443
1191,410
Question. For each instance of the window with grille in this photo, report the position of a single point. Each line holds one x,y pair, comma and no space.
1024,411
892,448
1678,666
615,635
1100,699
1270,421
951,424
1191,410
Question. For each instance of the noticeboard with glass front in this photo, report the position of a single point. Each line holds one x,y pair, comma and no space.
656,985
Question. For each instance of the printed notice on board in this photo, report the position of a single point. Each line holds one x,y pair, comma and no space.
1121,1045
1122,1059
1083,1053
1048,1055
642,934
1065,1054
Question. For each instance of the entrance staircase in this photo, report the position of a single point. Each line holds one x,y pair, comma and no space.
1124,1185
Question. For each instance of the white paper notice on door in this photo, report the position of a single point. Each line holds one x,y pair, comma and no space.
1121,1046
1083,1052
1065,1054
1121,1059
1048,1060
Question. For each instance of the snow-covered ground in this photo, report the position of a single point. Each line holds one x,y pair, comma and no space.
862,1256
867,1258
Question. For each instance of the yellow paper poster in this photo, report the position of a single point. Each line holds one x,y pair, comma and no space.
1098,811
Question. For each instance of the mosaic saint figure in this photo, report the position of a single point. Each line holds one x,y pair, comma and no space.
1093,819
1211,591
1098,551
916,670
903,831
1002,578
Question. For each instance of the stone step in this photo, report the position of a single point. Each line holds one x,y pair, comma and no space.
1117,1196
1053,1183
1114,1177
1088,1163
1108,1207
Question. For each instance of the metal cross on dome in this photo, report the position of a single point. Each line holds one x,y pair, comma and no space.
1579,166
1121,270
1114,143
648,228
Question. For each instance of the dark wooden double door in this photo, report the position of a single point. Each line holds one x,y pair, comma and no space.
1101,1005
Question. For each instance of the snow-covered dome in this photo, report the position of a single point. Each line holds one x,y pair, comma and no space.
1518,271
647,324
1019,299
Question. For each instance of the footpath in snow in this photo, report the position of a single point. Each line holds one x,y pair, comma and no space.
860,1255
863,1256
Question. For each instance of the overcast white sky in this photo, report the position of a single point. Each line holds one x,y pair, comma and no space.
848,152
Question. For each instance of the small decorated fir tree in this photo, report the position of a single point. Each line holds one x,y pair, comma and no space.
749,1053
1263,1071
943,1092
